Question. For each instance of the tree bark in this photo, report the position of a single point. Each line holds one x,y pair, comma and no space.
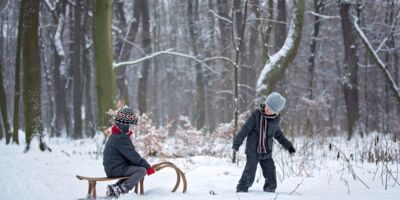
276,66
76,67
146,42
59,73
318,8
193,17
126,48
32,73
226,81
280,25
105,80
87,68
3,107
350,85
17,86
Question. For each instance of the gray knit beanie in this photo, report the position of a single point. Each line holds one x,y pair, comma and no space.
276,102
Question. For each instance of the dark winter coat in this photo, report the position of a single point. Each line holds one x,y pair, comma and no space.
251,130
119,153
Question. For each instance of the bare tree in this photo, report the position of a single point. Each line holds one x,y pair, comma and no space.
350,83
193,17
146,42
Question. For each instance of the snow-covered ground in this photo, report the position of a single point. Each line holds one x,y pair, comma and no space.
51,175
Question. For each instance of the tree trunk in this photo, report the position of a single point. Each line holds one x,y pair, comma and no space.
280,25
126,48
318,7
17,87
60,77
105,80
3,107
77,71
87,68
146,42
193,17
32,73
226,81
350,85
275,68
265,28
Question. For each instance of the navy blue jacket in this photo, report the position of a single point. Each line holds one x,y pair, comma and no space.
119,153
251,130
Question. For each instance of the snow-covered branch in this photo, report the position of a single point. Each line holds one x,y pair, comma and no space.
49,5
115,65
323,16
171,52
280,60
378,60
220,17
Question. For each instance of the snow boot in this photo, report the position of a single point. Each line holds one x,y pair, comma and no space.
240,189
115,190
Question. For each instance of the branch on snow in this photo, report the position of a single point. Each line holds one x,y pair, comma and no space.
377,59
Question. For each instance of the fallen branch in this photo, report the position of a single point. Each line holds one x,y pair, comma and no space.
297,187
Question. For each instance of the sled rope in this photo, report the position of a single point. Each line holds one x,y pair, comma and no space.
139,188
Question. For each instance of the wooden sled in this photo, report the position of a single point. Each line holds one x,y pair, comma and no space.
139,188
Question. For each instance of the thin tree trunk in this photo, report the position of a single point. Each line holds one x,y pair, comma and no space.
193,17
250,71
126,48
3,106
265,28
87,72
238,47
32,73
105,80
146,41
60,77
318,7
17,87
77,71
280,25
350,86
226,80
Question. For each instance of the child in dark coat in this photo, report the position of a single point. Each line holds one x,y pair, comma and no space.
260,129
120,157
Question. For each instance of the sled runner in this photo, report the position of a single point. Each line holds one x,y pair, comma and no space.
139,188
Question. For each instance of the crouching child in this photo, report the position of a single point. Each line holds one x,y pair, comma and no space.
120,157
260,128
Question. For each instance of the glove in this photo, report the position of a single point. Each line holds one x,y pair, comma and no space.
291,150
150,171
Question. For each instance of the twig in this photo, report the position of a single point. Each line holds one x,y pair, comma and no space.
297,187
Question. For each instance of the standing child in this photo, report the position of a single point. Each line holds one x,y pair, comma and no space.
260,129
121,158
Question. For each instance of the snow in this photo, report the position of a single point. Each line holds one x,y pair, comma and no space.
274,59
50,175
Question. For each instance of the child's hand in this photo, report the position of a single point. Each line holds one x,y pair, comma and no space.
291,150
150,171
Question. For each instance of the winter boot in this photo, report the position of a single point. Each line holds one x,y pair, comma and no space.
110,191
240,188
269,187
115,190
